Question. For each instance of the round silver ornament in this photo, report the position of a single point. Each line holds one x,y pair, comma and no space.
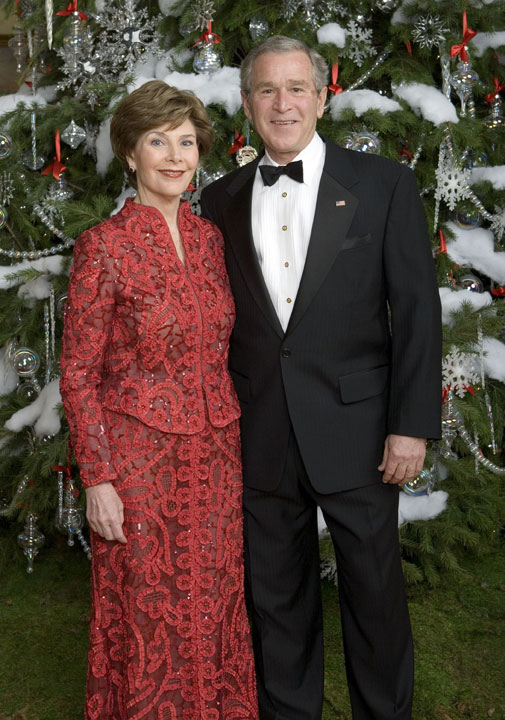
27,391
60,191
208,58
468,217
258,27
25,361
3,217
470,159
471,282
245,155
363,141
5,146
420,485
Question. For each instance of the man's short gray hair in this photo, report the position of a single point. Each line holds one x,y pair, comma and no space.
283,44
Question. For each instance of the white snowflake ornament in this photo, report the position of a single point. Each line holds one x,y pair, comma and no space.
459,372
359,43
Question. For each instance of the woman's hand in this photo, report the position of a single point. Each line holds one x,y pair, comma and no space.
104,511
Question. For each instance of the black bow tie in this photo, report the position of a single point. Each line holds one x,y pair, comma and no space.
271,173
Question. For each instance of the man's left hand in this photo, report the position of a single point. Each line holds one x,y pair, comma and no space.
403,458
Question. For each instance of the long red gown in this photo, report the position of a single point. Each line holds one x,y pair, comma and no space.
151,409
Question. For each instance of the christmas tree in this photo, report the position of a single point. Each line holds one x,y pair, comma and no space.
419,81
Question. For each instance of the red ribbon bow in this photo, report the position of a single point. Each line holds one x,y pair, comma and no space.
408,46
468,34
72,8
443,244
209,36
237,144
498,291
498,87
56,167
405,152
334,87
66,469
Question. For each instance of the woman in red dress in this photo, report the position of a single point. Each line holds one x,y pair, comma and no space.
154,425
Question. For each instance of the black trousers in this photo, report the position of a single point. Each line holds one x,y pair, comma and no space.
283,588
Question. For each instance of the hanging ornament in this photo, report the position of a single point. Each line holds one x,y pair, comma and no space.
31,159
495,119
463,79
487,400
74,41
49,8
73,135
471,282
359,41
245,155
19,48
290,8
58,192
3,217
5,146
258,27
422,484
429,31
363,141
60,304
27,7
31,540
206,177
208,57
27,391
468,217
56,167
25,361
334,87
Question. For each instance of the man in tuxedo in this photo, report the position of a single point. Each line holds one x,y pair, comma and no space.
335,357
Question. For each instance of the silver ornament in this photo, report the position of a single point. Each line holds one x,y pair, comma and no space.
495,119
471,282
386,5
468,217
25,361
208,58
429,31
258,27
470,159
463,80
19,48
27,391
5,146
420,485
73,135
74,43
31,540
363,141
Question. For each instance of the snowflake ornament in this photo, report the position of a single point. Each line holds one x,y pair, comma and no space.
203,13
359,43
6,188
458,372
453,182
329,10
429,31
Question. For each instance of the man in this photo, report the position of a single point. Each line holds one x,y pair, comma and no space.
335,357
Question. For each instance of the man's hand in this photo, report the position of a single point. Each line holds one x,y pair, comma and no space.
104,511
403,458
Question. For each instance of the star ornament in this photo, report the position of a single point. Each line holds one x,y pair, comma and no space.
429,31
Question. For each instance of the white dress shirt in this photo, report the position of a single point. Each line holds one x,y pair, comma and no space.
282,217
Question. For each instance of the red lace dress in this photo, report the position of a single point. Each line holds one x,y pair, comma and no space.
152,409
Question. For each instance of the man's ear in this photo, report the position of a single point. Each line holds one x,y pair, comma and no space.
321,100
245,105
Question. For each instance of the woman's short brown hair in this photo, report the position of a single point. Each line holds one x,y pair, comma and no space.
154,104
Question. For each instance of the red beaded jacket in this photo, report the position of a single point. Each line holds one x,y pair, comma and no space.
145,334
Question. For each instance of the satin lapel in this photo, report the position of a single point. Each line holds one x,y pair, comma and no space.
335,210
239,236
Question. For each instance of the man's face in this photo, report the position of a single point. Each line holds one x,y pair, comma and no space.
283,103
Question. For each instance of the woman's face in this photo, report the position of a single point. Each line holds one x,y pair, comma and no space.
165,161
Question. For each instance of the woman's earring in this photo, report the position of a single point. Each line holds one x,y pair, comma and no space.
132,170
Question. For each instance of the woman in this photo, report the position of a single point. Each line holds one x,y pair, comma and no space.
154,425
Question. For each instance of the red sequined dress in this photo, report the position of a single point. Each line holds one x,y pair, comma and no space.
152,409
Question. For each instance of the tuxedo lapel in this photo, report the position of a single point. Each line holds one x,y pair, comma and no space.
239,237
335,209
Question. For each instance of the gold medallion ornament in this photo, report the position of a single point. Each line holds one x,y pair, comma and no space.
245,155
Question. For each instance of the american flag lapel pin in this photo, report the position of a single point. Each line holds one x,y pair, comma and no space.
339,203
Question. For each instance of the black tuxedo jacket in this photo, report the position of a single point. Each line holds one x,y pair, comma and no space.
361,356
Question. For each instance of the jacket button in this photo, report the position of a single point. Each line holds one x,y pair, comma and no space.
285,352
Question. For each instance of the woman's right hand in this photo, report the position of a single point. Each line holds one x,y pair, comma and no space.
104,511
